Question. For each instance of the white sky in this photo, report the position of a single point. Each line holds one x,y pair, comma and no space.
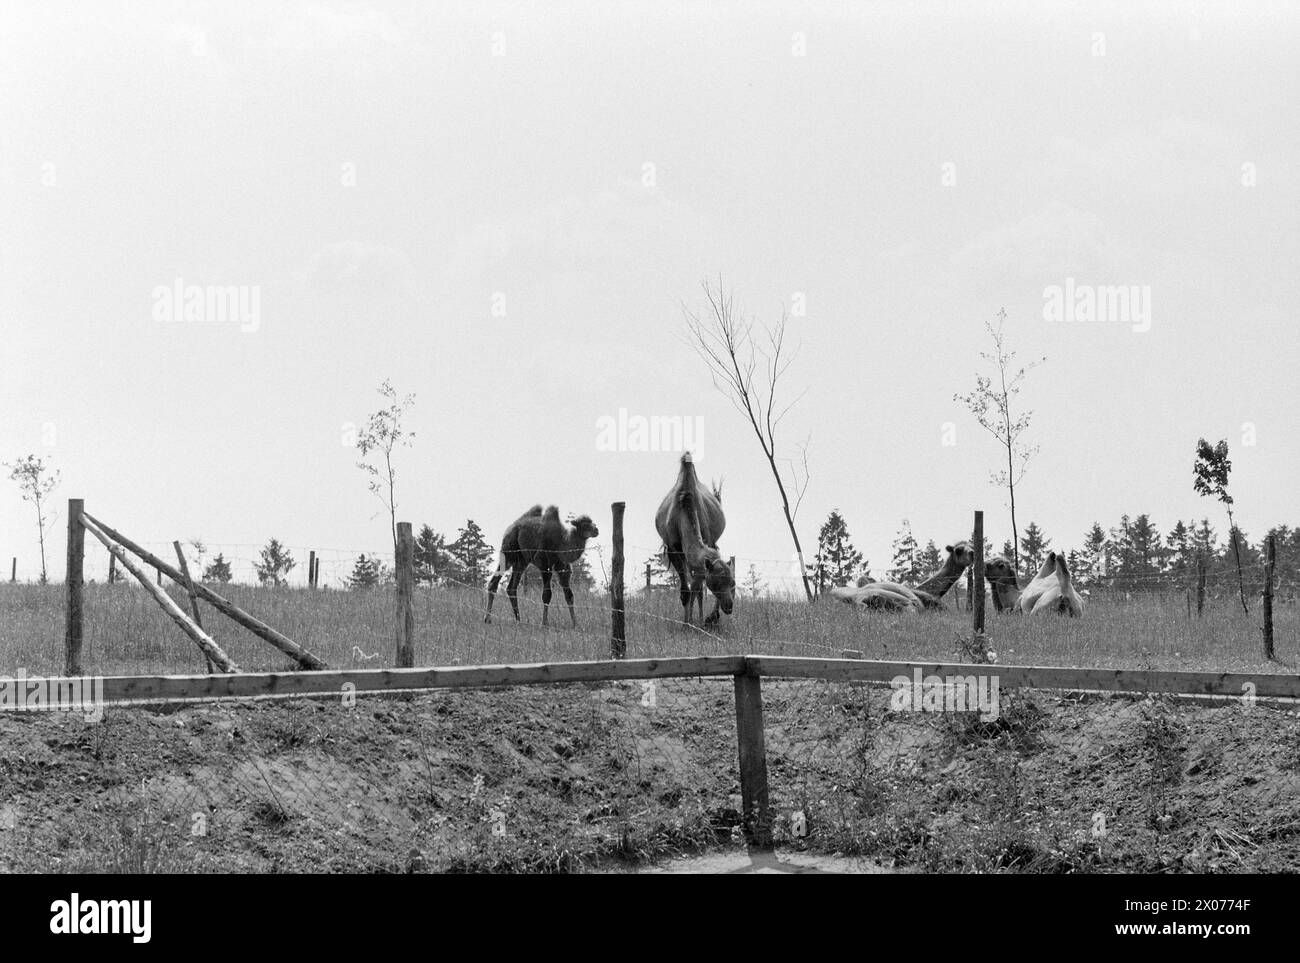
144,142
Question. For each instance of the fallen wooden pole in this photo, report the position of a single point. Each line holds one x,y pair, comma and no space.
222,605
201,638
189,589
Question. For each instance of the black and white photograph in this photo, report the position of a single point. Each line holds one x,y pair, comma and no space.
650,438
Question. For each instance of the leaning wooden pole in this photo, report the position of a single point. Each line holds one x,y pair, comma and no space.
189,589
1269,566
617,614
73,580
978,569
201,638
405,565
224,606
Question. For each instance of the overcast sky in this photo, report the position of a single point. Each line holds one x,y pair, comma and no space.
502,208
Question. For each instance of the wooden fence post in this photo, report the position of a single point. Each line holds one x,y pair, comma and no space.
1200,584
1269,566
978,574
112,569
755,808
970,588
13,570
647,578
617,626
311,569
405,612
194,599
76,557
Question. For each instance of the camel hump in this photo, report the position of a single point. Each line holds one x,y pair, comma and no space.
534,512
552,512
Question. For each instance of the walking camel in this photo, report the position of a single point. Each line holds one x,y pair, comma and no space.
690,520
539,538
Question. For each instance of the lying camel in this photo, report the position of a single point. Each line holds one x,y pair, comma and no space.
1050,590
894,597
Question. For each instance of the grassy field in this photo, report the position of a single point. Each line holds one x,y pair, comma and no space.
127,633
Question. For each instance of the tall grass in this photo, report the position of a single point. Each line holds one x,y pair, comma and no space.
127,633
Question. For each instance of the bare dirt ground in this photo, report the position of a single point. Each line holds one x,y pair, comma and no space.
615,777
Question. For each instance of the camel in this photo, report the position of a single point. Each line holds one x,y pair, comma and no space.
539,538
928,595
1050,590
690,520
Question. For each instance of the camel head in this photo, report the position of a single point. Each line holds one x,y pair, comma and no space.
1001,577
717,576
961,554
1048,567
584,528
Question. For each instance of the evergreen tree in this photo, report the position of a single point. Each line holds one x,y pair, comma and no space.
473,552
218,571
928,560
905,568
580,573
838,560
433,560
366,573
1033,547
1093,559
1180,550
1205,541
275,565
1008,550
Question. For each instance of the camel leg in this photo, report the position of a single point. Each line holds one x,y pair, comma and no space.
564,573
546,594
678,562
698,590
715,616
492,593
512,590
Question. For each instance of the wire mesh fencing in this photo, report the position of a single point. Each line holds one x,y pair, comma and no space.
521,779
616,774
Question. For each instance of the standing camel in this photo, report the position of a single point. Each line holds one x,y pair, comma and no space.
539,538
690,521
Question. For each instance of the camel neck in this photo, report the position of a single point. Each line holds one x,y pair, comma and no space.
942,580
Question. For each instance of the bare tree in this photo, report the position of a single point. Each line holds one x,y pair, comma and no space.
990,403
36,481
749,374
383,433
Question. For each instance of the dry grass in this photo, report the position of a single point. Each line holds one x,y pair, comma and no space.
126,632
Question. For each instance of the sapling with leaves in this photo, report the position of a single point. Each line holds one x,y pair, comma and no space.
1210,477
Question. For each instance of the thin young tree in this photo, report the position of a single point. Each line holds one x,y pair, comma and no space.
382,434
1210,477
36,481
992,404
749,372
